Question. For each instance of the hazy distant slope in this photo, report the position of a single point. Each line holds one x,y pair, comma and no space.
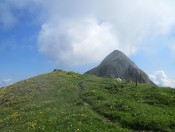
118,65
66,101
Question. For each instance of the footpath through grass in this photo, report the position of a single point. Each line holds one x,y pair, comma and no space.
67,101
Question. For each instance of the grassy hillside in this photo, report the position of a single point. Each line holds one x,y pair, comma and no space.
66,101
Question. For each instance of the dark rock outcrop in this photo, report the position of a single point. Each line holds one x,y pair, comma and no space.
118,65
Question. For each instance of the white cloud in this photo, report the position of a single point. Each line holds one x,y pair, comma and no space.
5,82
133,23
77,42
160,78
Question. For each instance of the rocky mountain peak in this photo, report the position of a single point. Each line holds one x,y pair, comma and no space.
118,65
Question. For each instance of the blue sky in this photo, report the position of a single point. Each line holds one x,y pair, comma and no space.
37,36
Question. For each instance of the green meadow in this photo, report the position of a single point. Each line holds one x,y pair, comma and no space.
67,101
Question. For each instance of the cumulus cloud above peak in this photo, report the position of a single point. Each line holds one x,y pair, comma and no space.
70,35
78,41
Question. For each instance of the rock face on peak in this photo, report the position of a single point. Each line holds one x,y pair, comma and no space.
118,65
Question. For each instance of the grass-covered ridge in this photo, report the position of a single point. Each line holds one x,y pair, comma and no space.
67,101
